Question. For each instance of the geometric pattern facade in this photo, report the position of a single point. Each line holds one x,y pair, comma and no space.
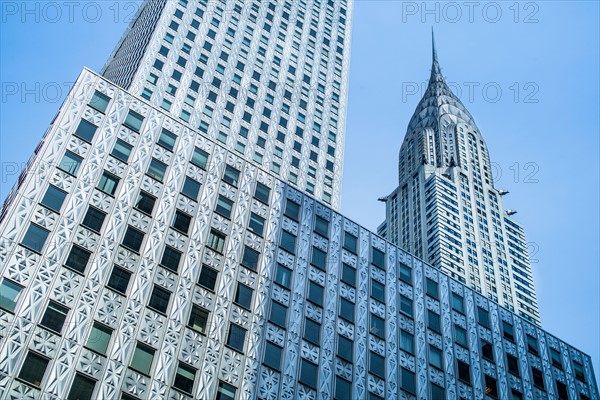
329,300
446,209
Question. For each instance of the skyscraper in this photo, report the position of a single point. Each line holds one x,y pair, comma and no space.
446,209
144,256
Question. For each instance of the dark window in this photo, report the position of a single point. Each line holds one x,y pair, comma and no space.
378,258
9,295
278,314
200,158
347,310
538,378
483,317
99,338
288,242
119,279
167,139
283,276
406,305
99,102
122,150
377,291
292,210
532,345
157,170
321,226
94,219
198,319
435,357
236,337
133,239
133,121
348,275
33,369
516,395
431,288
407,342
377,365
433,321
145,203
181,222
225,391
86,130
556,358
579,371
208,277
437,392
35,238
312,331
224,207
377,326
343,389
261,193
272,356
70,163
256,224
491,387
78,259
508,331
345,348
191,188
231,176
458,303
350,242
562,391
315,293
308,373
407,380
184,378
513,365
170,258
216,241
54,316
54,198
142,359
487,351
243,296
464,372
250,258
460,336
82,388
319,258
159,299
405,273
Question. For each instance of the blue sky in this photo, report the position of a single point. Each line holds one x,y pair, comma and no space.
528,73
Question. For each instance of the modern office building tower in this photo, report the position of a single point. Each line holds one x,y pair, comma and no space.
141,259
446,209
268,79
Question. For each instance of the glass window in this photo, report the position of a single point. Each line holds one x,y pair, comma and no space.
343,389
538,378
133,121
33,369
435,357
133,239
159,299
9,295
170,258
283,276
407,342
556,358
346,309
99,101
378,258
35,238
208,277
256,224
288,242
82,388
94,219
145,203
216,241
532,345
78,259
198,319
433,321
377,365
460,336
191,188
312,331
508,331
231,176
167,139
579,371
122,150
487,351
562,391
348,275
377,291
512,363
143,356
407,379
108,183
119,279
54,316
250,258
458,303
243,296
184,378
405,274
236,337
431,288
377,326
157,170
272,356
224,207
315,293
292,210
321,226
483,317
262,193
54,198
86,130
350,242
406,305
464,371
345,348
319,258
437,392
225,391
278,314
200,158
181,222
70,163
308,373
99,338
